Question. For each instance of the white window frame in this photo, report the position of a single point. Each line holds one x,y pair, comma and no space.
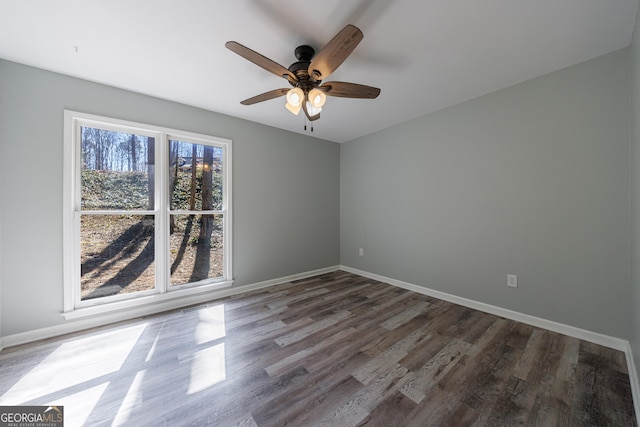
74,307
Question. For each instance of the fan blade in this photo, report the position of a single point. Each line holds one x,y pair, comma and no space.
306,112
260,60
265,96
350,90
335,52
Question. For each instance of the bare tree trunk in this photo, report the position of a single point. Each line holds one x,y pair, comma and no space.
99,149
207,179
203,254
192,200
173,160
134,155
151,171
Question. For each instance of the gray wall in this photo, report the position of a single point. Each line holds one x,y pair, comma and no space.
1,239
531,180
286,188
635,189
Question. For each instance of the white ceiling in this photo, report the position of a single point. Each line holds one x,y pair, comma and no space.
424,54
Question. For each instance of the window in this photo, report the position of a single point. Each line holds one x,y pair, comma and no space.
137,233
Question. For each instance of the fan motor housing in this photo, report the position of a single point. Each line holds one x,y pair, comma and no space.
304,53
300,68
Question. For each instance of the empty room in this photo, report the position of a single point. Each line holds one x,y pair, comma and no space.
269,213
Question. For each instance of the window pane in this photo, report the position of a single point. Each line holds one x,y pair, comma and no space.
117,170
196,176
117,255
196,248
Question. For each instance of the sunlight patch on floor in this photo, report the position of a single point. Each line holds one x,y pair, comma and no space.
132,401
60,370
152,350
211,325
79,406
207,368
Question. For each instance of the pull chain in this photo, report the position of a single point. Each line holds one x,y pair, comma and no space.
310,125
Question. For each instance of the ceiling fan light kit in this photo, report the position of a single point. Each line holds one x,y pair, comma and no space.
295,109
294,97
306,75
313,110
317,98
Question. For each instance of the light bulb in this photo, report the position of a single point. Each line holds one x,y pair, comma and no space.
295,97
317,98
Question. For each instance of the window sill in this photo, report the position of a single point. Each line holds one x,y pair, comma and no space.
158,302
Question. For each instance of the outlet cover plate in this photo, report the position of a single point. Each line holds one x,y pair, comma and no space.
512,280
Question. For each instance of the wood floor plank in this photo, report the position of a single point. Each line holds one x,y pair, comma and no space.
383,338
391,412
302,333
437,367
406,315
282,365
336,349
298,401
395,353
327,402
512,407
358,407
476,385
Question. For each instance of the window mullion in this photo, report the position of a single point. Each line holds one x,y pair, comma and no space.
162,213
226,207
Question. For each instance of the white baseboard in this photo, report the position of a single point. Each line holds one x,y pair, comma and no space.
594,337
105,319
633,379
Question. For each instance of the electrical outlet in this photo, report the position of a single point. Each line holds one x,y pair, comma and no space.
512,280
361,251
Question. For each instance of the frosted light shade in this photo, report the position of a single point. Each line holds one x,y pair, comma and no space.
313,110
295,97
317,98
294,109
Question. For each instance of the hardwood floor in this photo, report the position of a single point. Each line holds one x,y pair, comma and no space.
337,350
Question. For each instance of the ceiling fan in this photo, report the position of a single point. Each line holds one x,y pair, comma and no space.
306,75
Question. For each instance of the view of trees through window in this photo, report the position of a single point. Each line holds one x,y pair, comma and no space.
119,212
195,193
